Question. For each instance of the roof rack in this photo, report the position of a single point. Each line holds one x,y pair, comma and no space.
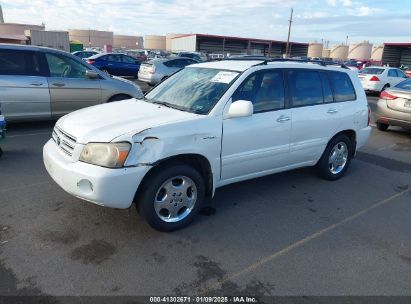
319,62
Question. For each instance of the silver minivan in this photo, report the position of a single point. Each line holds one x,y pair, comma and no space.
42,83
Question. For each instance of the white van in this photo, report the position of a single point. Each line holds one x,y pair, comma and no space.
207,126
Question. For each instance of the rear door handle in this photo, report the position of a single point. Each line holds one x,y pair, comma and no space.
283,118
332,111
58,84
36,83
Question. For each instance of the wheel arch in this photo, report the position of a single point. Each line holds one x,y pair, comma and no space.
113,97
197,161
352,135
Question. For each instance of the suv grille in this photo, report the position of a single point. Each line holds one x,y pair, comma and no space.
65,141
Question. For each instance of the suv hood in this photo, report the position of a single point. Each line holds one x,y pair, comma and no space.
104,123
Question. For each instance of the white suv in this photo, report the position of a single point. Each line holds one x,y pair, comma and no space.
207,126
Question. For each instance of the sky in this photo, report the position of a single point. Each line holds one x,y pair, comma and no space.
377,21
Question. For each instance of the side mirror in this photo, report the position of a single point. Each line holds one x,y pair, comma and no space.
240,108
92,74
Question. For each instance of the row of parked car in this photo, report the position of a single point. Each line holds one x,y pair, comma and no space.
134,65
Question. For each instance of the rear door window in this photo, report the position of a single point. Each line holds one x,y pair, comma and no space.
22,63
305,87
342,86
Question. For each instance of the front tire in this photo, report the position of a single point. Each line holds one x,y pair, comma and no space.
171,196
336,158
382,126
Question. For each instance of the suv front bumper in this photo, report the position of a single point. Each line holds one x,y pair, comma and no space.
114,188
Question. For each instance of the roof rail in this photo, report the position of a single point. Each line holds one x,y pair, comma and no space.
319,62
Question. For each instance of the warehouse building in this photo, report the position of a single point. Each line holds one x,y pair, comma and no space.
92,38
155,42
396,54
213,44
128,42
14,32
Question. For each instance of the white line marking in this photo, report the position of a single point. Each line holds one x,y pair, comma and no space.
300,243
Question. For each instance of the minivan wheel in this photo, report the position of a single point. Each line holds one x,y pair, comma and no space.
382,126
336,158
171,196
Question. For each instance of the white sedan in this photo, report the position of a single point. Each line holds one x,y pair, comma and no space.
377,79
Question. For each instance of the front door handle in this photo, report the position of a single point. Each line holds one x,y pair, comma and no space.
36,83
58,84
283,118
332,111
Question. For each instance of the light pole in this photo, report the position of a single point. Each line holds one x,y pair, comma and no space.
289,33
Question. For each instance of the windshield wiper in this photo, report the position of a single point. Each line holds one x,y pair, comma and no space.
169,105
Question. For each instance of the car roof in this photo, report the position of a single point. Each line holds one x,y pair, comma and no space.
232,65
243,65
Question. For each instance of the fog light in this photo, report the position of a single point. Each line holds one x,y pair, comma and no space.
85,186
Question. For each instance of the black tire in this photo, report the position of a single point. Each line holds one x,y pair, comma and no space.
152,186
119,97
382,126
323,166
105,71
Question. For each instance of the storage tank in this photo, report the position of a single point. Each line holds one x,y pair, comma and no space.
315,49
326,53
376,53
92,38
360,50
339,52
155,42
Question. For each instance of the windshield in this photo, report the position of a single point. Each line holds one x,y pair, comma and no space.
372,71
193,89
405,85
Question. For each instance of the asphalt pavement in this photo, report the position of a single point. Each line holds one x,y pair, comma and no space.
285,234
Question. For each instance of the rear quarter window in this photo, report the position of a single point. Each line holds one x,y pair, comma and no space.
342,86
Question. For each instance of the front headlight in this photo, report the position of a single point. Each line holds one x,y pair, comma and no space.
111,155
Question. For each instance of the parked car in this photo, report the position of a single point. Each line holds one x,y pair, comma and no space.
84,54
157,70
394,107
207,126
377,79
197,56
115,64
140,55
41,83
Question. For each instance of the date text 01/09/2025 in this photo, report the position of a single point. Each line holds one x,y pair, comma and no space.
203,299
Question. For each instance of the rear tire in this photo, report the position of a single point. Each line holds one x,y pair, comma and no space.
171,196
382,126
336,158
105,71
